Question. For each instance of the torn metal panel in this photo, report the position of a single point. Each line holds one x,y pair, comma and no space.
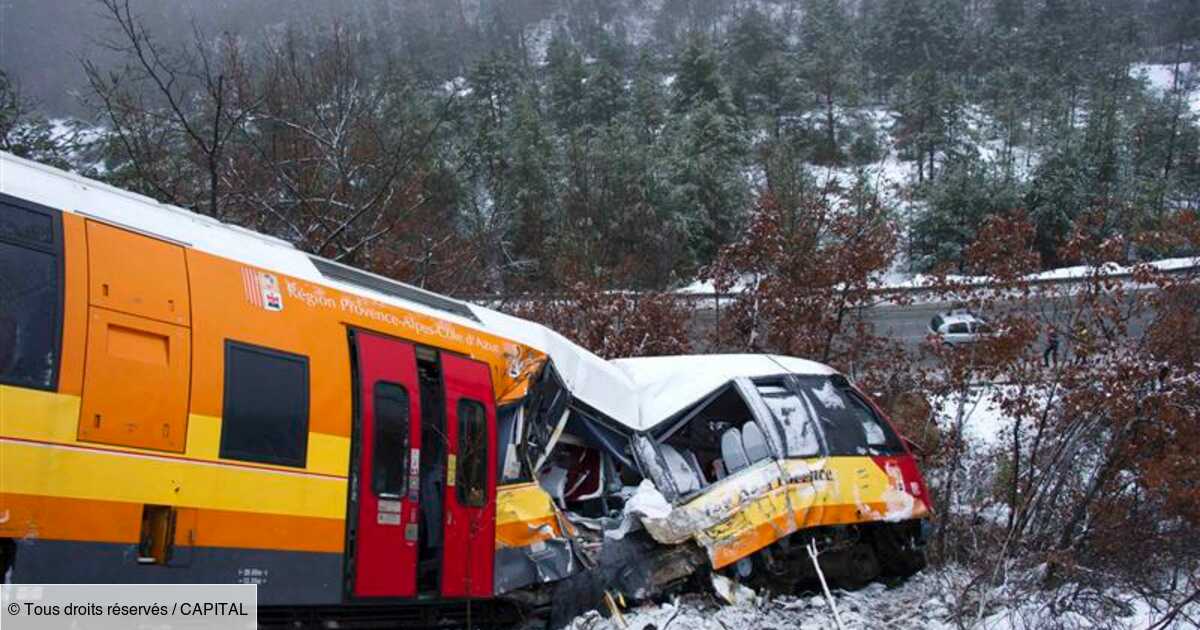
652,465
634,568
739,465
552,439
546,412
771,500
597,433
540,563
531,546
599,383
727,501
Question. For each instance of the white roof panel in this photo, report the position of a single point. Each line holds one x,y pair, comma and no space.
667,385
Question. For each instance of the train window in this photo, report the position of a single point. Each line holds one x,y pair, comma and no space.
389,461
23,224
792,414
849,424
265,417
471,476
30,296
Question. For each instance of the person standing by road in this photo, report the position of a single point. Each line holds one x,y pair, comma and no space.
1051,348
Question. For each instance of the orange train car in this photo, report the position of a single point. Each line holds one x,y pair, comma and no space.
185,401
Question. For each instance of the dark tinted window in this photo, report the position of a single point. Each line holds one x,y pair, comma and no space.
28,316
389,462
850,425
266,406
24,224
471,477
30,295
958,329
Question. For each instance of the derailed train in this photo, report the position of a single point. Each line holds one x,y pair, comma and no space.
186,401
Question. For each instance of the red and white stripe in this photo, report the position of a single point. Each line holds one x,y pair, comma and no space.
251,285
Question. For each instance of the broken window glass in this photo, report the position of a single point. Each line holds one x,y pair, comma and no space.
799,434
850,426
699,435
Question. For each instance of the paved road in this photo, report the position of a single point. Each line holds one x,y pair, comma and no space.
910,324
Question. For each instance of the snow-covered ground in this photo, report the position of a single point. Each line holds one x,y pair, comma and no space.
896,279
983,420
928,600
1161,78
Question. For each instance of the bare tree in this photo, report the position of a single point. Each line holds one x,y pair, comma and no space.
1095,440
339,156
173,109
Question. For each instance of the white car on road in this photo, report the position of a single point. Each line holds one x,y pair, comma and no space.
959,327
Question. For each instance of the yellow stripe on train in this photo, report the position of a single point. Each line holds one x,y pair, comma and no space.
819,492
41,416
83,473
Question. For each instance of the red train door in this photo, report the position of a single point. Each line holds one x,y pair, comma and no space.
470,513
385,556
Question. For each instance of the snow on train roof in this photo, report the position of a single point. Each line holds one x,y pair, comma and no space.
667,385
589,378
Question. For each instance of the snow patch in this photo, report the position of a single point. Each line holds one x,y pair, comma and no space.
646,502
829,396
732,592
1161,78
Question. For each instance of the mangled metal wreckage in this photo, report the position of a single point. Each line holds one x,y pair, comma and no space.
637,477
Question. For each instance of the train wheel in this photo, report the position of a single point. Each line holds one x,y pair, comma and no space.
861,568
899,554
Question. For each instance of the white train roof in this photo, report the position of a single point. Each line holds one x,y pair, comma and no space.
667,385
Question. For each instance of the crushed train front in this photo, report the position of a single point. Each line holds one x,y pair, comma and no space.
734,464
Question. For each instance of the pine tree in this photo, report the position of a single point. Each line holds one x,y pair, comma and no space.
765,82
827,62
26,133
968,193
648,105
605,97
565,82
708,148
698,78
529,189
